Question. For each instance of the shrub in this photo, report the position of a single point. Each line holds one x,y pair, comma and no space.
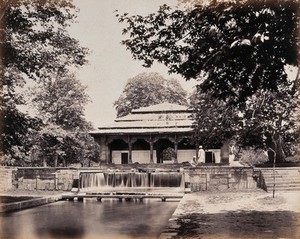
253,156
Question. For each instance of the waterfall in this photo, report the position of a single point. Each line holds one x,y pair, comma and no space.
165,179
94,180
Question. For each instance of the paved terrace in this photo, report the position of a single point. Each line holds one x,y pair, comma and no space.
236,214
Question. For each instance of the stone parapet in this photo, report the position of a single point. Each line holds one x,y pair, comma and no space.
42,178
201,178
221,178
6,182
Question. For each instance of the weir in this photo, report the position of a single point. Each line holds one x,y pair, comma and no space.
102,180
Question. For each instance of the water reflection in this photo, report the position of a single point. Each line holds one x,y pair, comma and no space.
90,219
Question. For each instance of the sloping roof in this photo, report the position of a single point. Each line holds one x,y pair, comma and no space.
155,116
161,118
163,107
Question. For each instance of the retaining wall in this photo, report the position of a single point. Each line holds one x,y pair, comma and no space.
6,175
43,178
220,178
198,179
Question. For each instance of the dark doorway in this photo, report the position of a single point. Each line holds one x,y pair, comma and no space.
124,158
159,146
208,157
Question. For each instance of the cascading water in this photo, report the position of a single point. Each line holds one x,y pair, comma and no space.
88,180
125,179
97,180
165,179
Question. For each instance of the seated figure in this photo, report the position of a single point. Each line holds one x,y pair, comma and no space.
194,162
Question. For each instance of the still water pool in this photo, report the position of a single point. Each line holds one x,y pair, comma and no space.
89,219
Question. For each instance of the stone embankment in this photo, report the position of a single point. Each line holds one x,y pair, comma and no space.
201,178
34,202
236,214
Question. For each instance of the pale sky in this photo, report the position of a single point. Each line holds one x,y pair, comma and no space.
110,65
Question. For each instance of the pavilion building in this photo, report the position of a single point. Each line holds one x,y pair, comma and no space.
142,136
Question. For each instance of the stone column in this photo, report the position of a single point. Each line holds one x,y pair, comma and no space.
151,151
129,152
175,140
108,150
176,149
151,141
108,156
104,149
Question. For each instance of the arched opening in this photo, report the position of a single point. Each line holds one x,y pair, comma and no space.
119,152
161,145
140,151
140,144
118,144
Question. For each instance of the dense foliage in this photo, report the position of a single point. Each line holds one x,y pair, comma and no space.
214,121
239,51
238,48
61,101
35,47
148,89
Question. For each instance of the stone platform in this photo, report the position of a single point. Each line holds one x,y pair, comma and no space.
235,214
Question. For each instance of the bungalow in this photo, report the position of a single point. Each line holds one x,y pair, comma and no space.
144,135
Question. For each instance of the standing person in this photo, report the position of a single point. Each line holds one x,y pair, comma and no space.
231,153
201,155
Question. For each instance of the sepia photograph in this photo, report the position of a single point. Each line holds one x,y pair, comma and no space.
149,119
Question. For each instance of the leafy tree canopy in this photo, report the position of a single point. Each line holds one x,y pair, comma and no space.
270,122
35,46
55,145
61,101
148,89
64,138
238,48
266,120
36,40
214,121
16,140
239,51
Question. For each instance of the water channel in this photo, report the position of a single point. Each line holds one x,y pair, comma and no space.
89,219
109,218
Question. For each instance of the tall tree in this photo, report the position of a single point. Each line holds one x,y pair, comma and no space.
54,145
214,121
238,47
16,124
148,89
266,120
34,45
239,51
61,101
270,121
64,137
36,39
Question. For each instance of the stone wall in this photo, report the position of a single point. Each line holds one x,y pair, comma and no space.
38,178
220,178
198,179
6,175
